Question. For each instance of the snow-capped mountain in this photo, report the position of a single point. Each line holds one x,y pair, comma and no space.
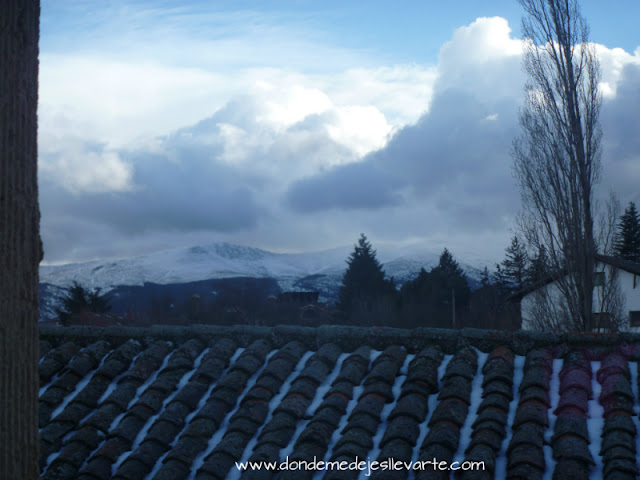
320,271
223,260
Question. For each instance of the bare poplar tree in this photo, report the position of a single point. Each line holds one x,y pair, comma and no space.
608,297
20,248
547,311
557,156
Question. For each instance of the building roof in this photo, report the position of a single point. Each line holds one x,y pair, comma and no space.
616,262
188,402
620,263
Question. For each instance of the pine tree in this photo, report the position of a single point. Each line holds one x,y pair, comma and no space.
538,267
515,264
627,244
418,290
487,303
79,299
364,278
428,298
501,282
449,276
485,280
97,302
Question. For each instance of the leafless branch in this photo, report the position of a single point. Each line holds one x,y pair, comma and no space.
557,156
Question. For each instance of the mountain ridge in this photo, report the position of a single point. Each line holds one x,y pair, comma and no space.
226,260
320,271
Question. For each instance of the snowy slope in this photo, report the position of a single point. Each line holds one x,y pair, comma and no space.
181,265
223,260
314,271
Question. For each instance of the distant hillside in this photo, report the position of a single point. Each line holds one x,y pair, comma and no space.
221,266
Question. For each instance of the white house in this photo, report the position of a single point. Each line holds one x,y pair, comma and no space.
628,274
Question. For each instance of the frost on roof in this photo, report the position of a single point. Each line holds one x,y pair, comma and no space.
133,407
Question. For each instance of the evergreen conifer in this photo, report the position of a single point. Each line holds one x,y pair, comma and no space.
515,265
448,277
627,244
364,279
501,282
538,267
80,299
485,280
430,296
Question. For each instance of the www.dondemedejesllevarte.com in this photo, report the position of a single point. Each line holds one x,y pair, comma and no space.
369,466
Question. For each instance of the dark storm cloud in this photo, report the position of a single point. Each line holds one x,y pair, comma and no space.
456,160
621,137
353,186
217,176
190,194
456,157
283,166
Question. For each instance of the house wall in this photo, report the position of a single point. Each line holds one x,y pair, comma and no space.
529,300
629,285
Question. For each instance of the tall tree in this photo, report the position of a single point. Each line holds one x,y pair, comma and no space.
364,280
80,299
557,156
451,280
418,291
485,279
434,296
440,285
20,247
489,305
501,282
515,264
627,243
538,268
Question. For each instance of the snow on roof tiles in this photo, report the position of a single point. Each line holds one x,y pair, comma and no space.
189,402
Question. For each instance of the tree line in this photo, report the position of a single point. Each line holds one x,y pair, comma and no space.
439,297
442,297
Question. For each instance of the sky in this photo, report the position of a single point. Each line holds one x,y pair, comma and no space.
297,125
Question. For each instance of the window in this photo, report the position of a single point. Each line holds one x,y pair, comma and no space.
598,279
634,318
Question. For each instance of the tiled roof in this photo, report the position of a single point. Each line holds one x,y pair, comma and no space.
189,402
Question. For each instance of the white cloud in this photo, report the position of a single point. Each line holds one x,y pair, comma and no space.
79,169
284,106
612,64
484,41
293,158
401,92
124,105
115,101
483,59
454,165
362,129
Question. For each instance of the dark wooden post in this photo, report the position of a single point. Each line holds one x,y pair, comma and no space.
20,246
